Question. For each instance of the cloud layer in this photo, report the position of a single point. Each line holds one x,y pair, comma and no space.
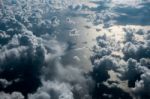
32,49
30,53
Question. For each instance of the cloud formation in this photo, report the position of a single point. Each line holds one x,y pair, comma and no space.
133,67
31,55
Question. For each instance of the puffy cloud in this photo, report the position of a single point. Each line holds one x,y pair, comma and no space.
31,59
4,83
130,70
40,95
13,95
142,86
145,62
100,53
4,38
101,68
129,35
36,69
22,53
53,90
71,75
22,62
134,69
130,50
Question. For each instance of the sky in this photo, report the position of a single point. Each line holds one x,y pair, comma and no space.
74,49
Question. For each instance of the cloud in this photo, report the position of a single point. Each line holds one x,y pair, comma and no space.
20,61
76,58
74,32
131,70
136,51
129,35
134,69
4,83
105,92
71,75
145,62
130,50
36,69
53,90
119,12
101,68
14,95
142,86
31,54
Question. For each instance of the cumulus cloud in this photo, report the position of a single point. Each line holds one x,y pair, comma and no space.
22,52
130,50
133,67
30,58
68,74
31,55
136,51
14,95
21,57
53,90
129,35
142,86
101,68
4,83
145,62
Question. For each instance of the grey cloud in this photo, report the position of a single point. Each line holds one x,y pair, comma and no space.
72,75
133,67
145,62
40,95
53,90
129,35
27,54
142,87
126,12
27,57
130,50
21,55
4,38
101,68
136,51
4,83
13,95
